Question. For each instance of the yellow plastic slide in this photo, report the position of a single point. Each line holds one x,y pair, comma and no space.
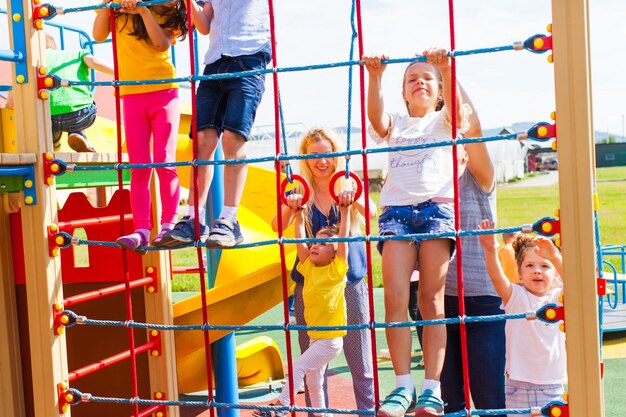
248,283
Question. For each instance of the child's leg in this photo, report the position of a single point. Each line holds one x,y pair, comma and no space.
234,175
164,117
313,363
207,143
303,338
137,132
434,257
398,263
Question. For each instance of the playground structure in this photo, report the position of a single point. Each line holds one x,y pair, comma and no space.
35,352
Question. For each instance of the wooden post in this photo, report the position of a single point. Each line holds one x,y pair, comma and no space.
163,376
576,186
43,272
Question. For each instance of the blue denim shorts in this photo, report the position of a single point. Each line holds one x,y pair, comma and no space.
73,122
231,103
426,217
520,394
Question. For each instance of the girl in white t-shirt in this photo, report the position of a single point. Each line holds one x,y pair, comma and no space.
417,198
535,350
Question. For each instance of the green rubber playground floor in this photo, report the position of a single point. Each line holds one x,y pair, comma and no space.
614,368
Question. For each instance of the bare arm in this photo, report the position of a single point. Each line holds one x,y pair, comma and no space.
346,198
98,64
159,38
375,104
440,60
294,204
302,248
501,283
546,249
359,205
480,164
202,17
101,28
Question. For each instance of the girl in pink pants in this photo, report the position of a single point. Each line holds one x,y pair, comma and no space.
144,35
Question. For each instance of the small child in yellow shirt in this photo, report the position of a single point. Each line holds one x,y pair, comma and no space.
324,266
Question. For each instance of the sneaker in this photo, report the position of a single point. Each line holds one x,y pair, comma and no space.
182,233
79,143
429,405
399,402
224,234
132,242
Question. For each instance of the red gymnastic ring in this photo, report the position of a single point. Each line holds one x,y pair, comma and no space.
305,185
333,180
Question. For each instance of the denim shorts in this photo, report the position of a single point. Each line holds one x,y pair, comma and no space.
520,394
426,217
231,103
73,122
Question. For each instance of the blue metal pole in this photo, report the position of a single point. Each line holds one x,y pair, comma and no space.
222,350
10,55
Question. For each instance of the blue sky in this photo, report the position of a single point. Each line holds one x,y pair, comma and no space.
506,87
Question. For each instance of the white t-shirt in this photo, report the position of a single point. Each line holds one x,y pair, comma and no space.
417,175
535,350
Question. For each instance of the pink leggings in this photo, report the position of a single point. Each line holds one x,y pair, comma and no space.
155,114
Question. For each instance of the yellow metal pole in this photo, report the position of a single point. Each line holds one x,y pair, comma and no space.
576,184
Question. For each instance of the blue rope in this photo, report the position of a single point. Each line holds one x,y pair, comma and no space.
87,397
288,170
83,320
350,72
277,69
66,10
75,167
70,240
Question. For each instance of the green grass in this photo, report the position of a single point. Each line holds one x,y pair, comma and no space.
516,206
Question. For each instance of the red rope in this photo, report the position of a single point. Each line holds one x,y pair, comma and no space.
120,183
457,215
279,217
194,135
368,244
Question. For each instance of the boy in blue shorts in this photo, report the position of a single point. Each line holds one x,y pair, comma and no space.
240,41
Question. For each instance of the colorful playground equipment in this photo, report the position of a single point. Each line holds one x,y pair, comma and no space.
45,352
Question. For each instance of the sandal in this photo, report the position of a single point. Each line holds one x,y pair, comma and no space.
159,239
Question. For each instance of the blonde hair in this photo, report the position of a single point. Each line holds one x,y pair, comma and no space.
318,135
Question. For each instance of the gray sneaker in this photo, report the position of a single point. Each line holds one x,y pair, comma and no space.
183,233
224,234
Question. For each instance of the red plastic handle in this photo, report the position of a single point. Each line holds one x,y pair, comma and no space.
305,185
339,174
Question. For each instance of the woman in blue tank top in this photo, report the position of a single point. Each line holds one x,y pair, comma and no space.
322,211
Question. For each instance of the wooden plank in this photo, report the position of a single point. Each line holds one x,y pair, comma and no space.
18,158
85,158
